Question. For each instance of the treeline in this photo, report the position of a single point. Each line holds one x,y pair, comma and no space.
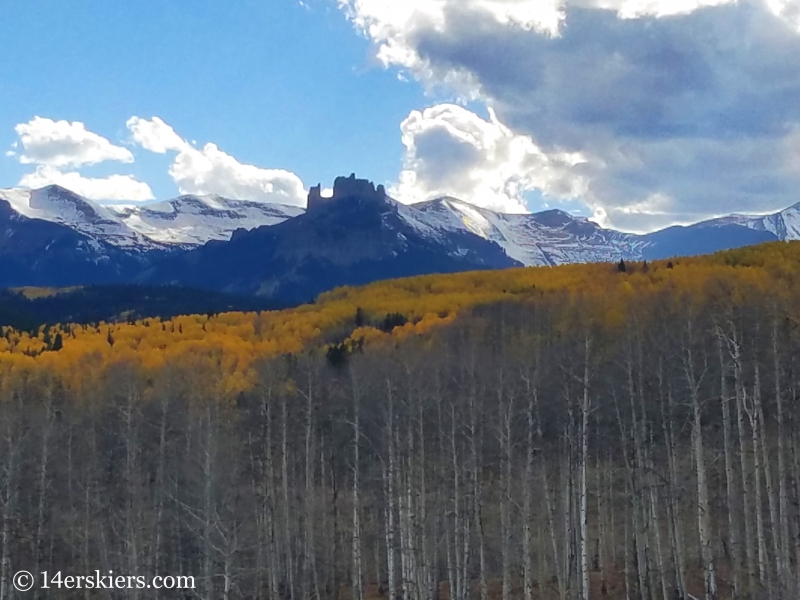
638,441
27,309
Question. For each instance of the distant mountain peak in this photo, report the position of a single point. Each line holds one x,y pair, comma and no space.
191,220
356,235
54,188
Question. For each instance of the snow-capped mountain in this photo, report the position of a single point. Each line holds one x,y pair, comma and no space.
357,236
184,222
546,238
554,237
291,254
195,220
784,225
59,205
40,252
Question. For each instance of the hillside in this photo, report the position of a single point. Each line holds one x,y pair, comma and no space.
29,308
427,301
624,428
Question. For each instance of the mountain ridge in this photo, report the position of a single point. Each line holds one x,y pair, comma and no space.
189,221
358,235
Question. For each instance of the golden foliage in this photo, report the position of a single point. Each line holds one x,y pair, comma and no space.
233,342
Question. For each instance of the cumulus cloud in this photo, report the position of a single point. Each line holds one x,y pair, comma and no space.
451,151
56,145
209,170
115,187
65,144
680,110
155,135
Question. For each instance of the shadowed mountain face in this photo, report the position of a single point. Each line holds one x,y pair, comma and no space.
53,237
357,236
703,238
42,253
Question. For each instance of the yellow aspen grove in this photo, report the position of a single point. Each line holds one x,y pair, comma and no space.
577,432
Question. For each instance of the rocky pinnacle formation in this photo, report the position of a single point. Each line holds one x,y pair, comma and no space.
345,187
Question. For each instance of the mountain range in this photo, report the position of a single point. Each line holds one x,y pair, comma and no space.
54,237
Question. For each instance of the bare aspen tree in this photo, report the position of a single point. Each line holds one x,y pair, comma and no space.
428,579
634,468
703,504
750,409
47,430
458,528
269,502
389,483
654,513
505,403
357,583
477,492
160,500
676,535
772,500
132,528
208,502
550,509
795,455
735,352
783,496
312,581
527,542
9,496
584,459
730,481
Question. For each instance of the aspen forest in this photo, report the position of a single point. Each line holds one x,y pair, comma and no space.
621,431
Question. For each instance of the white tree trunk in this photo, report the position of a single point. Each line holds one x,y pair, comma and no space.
783,496
584,459
730,481
358,577
703,504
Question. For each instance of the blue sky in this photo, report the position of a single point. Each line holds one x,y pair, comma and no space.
275,83
640,113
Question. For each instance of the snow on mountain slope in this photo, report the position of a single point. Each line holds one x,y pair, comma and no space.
58,205
195,220
184,221
548,238
784,225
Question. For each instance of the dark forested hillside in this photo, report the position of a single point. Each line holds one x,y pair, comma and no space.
595,431
29,308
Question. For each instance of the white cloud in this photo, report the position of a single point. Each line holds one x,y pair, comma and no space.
788,10
55,145
394,25
115,187
212,171
635,9
680,109
209,170
155,135
451,151
65,144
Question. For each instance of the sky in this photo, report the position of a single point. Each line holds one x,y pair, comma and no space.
637,113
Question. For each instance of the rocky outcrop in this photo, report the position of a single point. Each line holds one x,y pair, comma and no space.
345,187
